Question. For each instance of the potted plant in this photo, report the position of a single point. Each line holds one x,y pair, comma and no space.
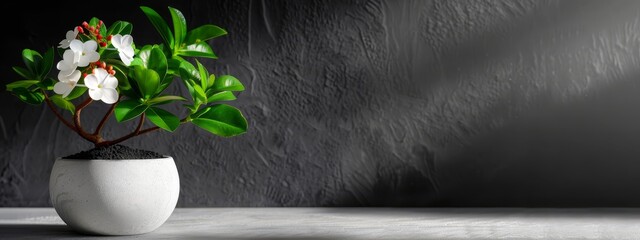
112,189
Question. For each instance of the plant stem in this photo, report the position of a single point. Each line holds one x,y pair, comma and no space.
76,120
151,129
58,115
125,137
106,116
137,132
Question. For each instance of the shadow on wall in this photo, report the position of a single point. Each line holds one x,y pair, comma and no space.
396,184
584,153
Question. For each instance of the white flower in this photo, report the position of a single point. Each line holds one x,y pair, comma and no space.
68,75
123,44
86,52
102,86
67,83
71,35
68,64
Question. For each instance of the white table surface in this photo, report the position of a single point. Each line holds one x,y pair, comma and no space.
353,223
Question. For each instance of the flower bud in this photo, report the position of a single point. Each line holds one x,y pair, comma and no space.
112,72
99,37
85,24
109,37
100,23
110,68
84,75
103,44
103,65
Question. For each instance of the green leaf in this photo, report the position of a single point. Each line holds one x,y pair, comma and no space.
165,99
23,72
103,30
202,71
129,109
221,96
192,92
159,24
200,95
63,103
164,83
191,108
222,120
120,27
179,26
212,79
173,66
188,74
27,96
227,83
197,114
47,84
152,57
47,63
143,55
31,59
76,93
201,49
157,61
94,21
163,119
147,81
137,61
188,71
204,33
21,84
124,85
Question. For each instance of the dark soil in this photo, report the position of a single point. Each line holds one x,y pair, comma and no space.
115,152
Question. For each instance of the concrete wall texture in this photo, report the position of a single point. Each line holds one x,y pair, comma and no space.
379,103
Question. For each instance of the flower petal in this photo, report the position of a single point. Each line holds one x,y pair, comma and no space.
95,94
62,76
125,59
127,40
115,40
74,76
83,62
61,65
64,43
93,56
69,89
88,58
69,76
100,74
69,56
66,70
76,45
90,46
109,95
91,81
71,35
128,51
67,63
60,87
110,82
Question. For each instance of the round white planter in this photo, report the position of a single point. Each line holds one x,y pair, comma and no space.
114,197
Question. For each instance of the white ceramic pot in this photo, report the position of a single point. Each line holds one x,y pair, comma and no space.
114,197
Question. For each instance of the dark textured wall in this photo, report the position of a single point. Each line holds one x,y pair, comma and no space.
378,103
